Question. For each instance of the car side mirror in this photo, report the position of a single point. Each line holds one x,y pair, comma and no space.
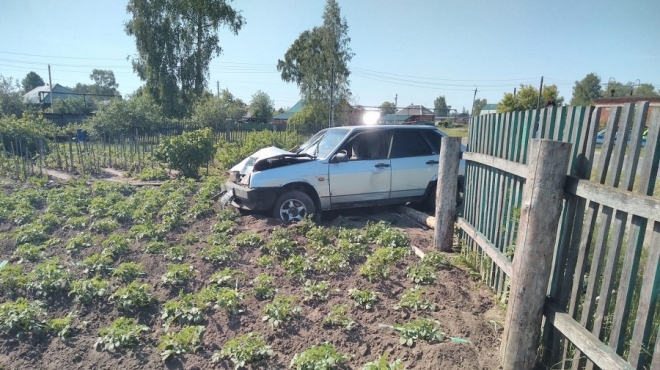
341,156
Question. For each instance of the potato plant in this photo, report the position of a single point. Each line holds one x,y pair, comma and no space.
226,277
187,340
280,311
87,291
80,241
414,300
178,274
12,279
132,296
48,277
22,317
248,240
382,364
219,254
363,298
420,329
338,318
122,333
184,310
323,356
97,263
316,291
421,273
243,350
128,271
264,287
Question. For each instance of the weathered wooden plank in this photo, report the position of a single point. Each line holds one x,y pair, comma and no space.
643,206
592,347
655,364
648,300
498,163
485,245
534,247
638,224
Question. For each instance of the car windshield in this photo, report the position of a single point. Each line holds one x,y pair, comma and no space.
321,144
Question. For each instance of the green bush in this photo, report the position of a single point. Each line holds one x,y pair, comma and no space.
187,152
28,131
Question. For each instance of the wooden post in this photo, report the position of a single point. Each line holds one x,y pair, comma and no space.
532,263
445,198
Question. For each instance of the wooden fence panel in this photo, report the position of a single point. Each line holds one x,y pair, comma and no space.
607,284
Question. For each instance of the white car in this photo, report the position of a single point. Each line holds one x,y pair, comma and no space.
341,167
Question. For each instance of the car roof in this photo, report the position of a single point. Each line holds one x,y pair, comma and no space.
386,127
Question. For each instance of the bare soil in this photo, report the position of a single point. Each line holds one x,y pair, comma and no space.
465,309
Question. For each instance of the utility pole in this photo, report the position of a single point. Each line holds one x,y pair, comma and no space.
514,92
217,87
50,86
474,98
538,104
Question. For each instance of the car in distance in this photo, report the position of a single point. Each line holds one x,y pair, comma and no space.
340,167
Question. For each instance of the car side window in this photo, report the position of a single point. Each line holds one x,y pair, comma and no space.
367,145
409,144
433,138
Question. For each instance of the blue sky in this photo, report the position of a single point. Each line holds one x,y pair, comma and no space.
416,49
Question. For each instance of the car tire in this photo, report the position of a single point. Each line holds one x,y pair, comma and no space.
429,202
293,206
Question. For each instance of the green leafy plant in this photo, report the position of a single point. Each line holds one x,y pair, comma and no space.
128,271
97,263
63,327
226,277
31,234
178,273
177,253
223,227
304,226
378,265
266,261
218,239
338,318
364,298
49,221
191,238
80,241
153,174
324,356
281,243
48,277
221,297
22,316
219,253
421,273
330,262
297,266
78,223
420,329
319,238
249,240
244,350
104,226
264,287
116,244
87,291
436,260
12,279
280,311
155,247
147,231
132,296
122,333
414,300
201,210
382,364
316,291
187,152
187,340
384,235
227,214
29,252
184,310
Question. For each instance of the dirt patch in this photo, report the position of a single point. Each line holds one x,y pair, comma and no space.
465,309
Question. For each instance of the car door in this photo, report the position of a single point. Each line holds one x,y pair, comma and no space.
414,163
365,177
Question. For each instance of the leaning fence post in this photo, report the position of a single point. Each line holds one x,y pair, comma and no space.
445,198
537,233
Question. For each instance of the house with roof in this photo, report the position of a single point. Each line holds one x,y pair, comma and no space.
42,95
410,115
488,109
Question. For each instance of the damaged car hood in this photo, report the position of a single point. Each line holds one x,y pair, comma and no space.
246,166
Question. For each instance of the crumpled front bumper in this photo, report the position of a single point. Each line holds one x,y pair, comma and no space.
257,199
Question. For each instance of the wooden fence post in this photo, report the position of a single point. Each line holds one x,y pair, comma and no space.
445,196
537,233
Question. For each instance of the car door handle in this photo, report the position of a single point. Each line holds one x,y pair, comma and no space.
382,165
432,162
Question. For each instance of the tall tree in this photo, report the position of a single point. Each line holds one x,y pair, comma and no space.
441,107
478,106
11,100
618,89
527,98
31,81
104,86
175,41
317,61
387,108
645,89
586,90
261,106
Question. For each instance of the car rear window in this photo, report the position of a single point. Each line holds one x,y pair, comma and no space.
409,144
